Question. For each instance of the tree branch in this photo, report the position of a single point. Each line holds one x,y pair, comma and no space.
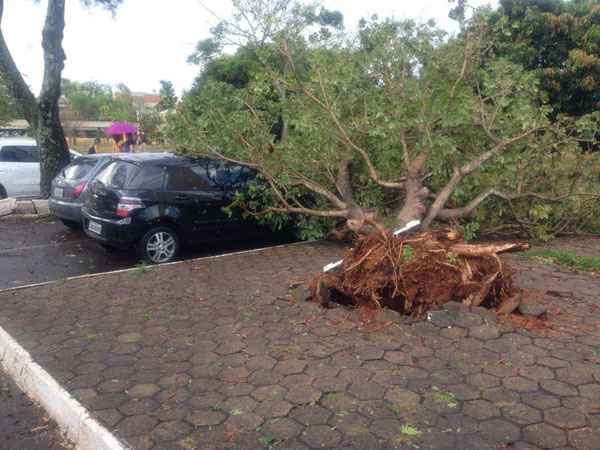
460,173
465,211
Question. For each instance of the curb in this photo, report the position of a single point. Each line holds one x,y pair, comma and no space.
71,416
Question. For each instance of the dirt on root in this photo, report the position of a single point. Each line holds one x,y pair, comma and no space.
417,273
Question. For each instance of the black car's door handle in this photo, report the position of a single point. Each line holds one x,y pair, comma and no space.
182,197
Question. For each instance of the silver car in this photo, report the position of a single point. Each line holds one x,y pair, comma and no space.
20,167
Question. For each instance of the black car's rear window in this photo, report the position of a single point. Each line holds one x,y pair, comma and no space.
126,175
78,169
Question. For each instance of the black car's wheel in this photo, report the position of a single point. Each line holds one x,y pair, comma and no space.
73,225
2,193
159,245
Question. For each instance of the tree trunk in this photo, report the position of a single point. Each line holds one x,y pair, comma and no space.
414,207
54,153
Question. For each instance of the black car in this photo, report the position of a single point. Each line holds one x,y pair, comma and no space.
69,187
159,202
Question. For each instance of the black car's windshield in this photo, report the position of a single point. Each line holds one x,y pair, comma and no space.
78,169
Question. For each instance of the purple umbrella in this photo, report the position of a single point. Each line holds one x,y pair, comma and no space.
119,128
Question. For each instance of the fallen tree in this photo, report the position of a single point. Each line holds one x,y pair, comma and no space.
395,124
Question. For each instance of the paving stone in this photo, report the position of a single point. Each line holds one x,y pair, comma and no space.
501,396
454,332
273,408
386,428
352,424
480,409
321,436
264,378
402,398
339,401
84,395
171,431
109,417
499,432
282,429
540,400
311,414
553,363
520,384
236,390
544,436
261,362
464,392
591,391
237,405
244,422
330,384
484,332
398,357
303,394
483,380
522,414
367,391
272,392
207,417
143,390
129,338
369,353
536,373
137,425
564,418
139,406
585,438
558,388
290,366
576,375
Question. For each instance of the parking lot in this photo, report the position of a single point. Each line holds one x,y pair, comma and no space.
40,250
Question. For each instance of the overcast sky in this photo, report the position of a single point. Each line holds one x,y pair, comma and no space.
149,40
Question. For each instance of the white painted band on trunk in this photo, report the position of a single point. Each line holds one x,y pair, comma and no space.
70,415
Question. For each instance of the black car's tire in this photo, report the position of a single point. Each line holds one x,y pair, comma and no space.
71,224
159,245
2,193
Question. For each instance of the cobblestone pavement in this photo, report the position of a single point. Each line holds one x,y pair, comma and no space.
23,425
213,354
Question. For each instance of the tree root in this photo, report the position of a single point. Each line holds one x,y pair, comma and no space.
417,273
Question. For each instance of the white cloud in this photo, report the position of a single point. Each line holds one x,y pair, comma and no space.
149,40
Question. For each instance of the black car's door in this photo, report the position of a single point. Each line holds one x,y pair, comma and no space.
234,179
198,201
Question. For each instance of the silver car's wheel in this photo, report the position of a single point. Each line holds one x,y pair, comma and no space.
160,245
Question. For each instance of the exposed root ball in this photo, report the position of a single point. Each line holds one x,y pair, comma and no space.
416,273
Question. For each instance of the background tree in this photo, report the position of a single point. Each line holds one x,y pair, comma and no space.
560,40
394,124
168,99
42,113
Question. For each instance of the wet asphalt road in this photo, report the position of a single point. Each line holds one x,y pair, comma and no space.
39,250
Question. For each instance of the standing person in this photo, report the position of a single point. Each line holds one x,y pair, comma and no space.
118,143
127,143
94,148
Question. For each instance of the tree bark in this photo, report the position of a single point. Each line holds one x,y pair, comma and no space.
414,207
54,153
